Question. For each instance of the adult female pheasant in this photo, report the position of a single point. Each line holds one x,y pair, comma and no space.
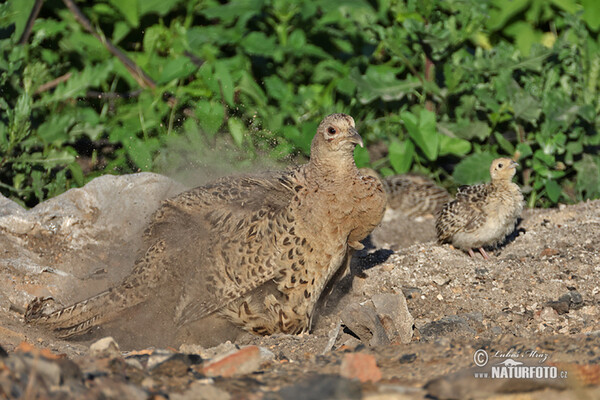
257,251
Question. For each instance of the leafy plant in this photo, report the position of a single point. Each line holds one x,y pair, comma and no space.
439,87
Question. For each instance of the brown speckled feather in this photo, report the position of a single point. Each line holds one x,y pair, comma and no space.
482,215
412,194
258,250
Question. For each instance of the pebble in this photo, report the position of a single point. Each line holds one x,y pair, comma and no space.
321,386
105,347
360,366
363,321
393,313
239,362
548,314
201,391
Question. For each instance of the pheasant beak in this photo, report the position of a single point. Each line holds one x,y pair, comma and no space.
514,164
355,137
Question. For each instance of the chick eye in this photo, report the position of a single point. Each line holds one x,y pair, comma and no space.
500,165
331,130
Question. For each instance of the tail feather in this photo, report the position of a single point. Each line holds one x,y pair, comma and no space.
80,317
84,315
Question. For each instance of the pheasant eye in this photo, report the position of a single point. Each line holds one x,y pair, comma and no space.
500,165
331,130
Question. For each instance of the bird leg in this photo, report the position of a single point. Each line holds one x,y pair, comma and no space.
483,253
471,253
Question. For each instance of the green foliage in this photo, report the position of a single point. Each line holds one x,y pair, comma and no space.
440,87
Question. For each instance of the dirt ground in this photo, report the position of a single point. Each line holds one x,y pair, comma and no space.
538,296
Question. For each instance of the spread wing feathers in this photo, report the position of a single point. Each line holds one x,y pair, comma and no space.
414,194
231,236
465,213
226,229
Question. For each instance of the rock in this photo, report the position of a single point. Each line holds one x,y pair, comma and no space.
47,373
441,280
320,387
407,358
49,248
395,317
175,365
464,385
548,252
573,300
363,321
105,347
201,391
411,292
560,306
239,362
548,314
360,366
209,353
452,325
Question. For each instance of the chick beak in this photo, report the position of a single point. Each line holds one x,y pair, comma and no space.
514,164
355,137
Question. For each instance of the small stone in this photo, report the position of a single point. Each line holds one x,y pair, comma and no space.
452,325
363,321
548,252
411,292
360,366
105,347
240,362
441,280
134,362
176,365
318,387
548,314
561,306
209,353
393,312
407,358
201,391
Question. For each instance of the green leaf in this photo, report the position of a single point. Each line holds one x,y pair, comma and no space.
227,86
524,150
276,88
237,130
504,144
553,190
210,115
472,129
422,131
591,13
21,10
474,168
129,9
380,82
140,153
257,43
361,157
401,155
77,173
78,83
454,146
176,68
161,7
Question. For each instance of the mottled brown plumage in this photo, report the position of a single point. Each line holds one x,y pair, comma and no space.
256,250
482,215
412,194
